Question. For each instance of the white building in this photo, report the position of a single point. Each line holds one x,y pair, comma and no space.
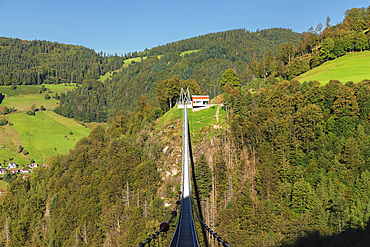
200,101
12,165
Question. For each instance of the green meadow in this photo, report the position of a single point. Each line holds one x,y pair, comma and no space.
24,96
351,67
42,135
188,52
197,119
129,61
3,185
46,133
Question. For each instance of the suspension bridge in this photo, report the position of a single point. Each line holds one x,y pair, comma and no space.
185,234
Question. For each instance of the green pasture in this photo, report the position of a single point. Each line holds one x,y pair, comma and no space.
3,185
108,75
10,155
351,67
188,52
24,96
47,134
129,61
197,119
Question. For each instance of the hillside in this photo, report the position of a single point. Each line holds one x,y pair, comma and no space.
36,62
214,54
43,134
351,67
287,162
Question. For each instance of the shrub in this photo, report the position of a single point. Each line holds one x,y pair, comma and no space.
3,122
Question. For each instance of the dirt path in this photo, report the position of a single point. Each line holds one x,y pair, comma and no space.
218,109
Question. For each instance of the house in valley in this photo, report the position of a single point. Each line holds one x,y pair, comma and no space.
33,165
12,165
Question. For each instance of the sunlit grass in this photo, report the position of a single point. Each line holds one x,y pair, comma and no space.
351,67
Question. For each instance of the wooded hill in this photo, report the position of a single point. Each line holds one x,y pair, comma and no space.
292,168
214,54
36,62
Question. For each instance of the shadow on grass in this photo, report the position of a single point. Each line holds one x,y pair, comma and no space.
349,237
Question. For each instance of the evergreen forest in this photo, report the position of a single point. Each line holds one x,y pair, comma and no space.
290,167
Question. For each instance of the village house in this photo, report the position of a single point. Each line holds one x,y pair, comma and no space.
12,165
3,170
33,165
24,171
13,170
44,165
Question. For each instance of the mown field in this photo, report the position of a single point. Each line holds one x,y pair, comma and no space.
42,135
351,67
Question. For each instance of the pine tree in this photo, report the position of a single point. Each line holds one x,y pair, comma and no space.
203,175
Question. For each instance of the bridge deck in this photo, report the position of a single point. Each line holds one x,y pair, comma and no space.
185,234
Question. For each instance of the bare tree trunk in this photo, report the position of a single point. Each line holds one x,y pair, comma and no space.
7,233
76,238
85,234
213,197
127,195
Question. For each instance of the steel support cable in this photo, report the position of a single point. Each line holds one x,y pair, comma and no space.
163,227
179,221
186,185
200,215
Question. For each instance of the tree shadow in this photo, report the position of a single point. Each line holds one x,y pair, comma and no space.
349,237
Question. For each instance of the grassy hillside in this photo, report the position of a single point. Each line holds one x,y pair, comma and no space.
46,133
129,61
197,119
351,67
23,97
42,135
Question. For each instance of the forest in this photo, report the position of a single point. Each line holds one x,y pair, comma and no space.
35,62
291,167
214,54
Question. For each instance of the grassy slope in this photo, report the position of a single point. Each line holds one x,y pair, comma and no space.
44,134
127,62
351,67
25,96
47,133
3,185
197,119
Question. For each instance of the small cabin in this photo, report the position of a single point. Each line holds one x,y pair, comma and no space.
200,101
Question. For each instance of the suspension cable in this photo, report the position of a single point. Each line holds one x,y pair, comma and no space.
164,226
200,217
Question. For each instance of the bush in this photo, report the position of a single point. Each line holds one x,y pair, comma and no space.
42,108
3,122
31,113
20,149
25,152
47,96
